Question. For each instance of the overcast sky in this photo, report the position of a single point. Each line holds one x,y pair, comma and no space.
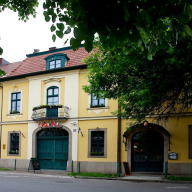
19,38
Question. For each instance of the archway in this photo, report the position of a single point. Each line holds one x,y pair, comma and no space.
53,147
129,134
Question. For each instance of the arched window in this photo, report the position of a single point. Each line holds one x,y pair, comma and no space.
53,96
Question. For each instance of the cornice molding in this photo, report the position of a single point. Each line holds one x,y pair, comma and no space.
52,79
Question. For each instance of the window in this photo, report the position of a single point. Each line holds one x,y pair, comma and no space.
97,142
53,96
13,146
55,64
95,102
56,61
190,141
15,102
97,146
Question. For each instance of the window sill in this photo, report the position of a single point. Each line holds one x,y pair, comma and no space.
95,108
13,114
97,156
13,154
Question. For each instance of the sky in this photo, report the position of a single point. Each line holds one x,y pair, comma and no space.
19,38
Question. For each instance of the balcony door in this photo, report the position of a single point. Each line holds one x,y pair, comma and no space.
52,99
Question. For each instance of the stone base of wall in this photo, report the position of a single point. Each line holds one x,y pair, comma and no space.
180,168
98,167
24,164
10,163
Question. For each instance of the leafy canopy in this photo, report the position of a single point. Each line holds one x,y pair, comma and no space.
159,87
117,20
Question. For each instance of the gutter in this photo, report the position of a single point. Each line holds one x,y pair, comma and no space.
83,66
119,140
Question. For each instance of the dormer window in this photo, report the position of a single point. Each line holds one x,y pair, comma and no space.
56,61
55,64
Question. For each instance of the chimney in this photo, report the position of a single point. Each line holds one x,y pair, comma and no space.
36,51
3,62
52,48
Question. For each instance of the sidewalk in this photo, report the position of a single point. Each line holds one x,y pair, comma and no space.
135,177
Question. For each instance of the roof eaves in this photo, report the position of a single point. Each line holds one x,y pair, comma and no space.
9,78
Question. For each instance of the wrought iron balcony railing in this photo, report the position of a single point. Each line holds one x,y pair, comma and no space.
48,113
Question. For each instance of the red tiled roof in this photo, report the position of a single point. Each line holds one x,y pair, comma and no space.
10,67
37,63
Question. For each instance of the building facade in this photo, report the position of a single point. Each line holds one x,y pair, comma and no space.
45,114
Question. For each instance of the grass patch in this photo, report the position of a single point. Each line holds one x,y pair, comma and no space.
174,178
5,169
108,175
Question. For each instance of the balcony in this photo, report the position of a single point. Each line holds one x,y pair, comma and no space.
50,113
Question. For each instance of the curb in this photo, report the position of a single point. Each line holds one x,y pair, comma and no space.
135,180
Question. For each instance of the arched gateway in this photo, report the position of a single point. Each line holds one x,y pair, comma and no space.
52,147
147,147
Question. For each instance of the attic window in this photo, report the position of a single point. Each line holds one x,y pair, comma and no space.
56,61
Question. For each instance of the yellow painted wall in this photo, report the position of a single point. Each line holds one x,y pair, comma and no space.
24,86
83,101
179,138
62,84
111,126
0,101
16,127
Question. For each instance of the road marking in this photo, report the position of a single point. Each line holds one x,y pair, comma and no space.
179,187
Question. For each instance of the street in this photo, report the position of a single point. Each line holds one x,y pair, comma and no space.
16,182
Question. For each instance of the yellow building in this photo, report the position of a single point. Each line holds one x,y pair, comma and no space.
45,114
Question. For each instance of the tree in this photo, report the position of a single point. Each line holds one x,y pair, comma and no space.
158,88
142,22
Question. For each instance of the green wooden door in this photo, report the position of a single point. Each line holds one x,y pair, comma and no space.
52,149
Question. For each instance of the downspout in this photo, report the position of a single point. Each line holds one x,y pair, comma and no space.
119,140
1,119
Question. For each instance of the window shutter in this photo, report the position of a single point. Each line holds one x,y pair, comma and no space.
190,141
47,65
62,62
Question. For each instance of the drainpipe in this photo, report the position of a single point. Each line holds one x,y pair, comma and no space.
1,119
119,140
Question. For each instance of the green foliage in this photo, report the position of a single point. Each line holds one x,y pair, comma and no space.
174,178
148,24
109,175
143,87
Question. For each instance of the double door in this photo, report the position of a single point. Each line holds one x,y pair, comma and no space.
52,153
147,155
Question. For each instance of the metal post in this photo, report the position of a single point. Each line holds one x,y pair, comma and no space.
119,169
15,164
79,168
72,166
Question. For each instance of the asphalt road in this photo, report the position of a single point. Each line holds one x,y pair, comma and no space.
31,183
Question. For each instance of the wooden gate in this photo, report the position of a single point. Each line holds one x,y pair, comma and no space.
52,148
